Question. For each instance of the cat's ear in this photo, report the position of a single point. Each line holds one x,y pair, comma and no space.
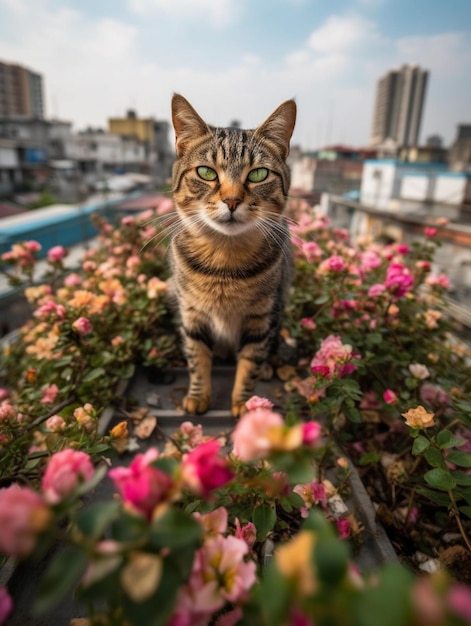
279,126
186,122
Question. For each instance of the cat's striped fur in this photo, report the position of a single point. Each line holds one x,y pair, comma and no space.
230,256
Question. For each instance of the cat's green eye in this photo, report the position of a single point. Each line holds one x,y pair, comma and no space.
206,173
257,175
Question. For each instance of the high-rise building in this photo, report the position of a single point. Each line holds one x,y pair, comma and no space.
21,91
400,96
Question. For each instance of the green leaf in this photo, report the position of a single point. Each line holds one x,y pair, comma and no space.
166,465
63,573
434,457
321,299
463,459
351,413
157,609
440,478
463,405
128,527
374,338
97,477
331,557
264,518
446,439
420,445
93,374
389,598
466,510
438,497
93,520
370,457
175,529
462,478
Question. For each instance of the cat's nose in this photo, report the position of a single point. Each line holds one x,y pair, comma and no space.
232,202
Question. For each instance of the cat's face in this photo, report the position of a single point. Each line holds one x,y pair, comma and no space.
230,180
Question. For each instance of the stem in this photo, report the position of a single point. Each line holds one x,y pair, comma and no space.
458,520
52,412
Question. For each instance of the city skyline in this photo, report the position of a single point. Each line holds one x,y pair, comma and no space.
238,59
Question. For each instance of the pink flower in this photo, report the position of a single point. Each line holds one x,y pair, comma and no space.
459,601
312,493
312,433
220,573
140,484
298,618
308,323
441,280
57,253
4,393
65,471
6,605
402,248
248,532
251,436
376,290
256,402
435,396
165,206
370,260
55,423
50,308
32,246
7,412
334,263
311,251
204,470
333,358
231,618
214,522
50,394
82,325
390,397
23,514
429,231
72,280
398,279
89,266
343,528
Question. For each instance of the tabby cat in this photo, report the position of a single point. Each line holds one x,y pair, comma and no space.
230,256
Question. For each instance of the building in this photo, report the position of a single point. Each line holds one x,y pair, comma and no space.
429,189
460,151
400,96
154,136
335,169
21,91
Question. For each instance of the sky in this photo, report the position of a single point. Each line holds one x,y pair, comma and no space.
239,59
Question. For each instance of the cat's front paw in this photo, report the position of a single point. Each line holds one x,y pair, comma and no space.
238,408
195,405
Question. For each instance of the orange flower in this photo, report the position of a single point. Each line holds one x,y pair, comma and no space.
294,561
120,431
419,418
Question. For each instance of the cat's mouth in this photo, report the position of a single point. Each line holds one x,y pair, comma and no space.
230,225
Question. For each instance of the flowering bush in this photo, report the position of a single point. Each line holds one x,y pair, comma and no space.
377,368
185,545
392,380
88,331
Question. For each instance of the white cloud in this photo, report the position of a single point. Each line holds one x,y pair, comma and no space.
444,54
344,34
220,13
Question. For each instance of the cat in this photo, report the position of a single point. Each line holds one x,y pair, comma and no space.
230,257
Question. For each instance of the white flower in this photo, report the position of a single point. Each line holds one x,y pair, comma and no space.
419,371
